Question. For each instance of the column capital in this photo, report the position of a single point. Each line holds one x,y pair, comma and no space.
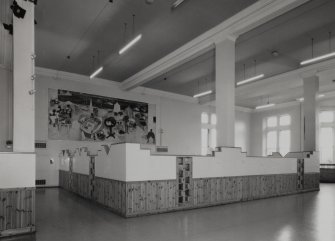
309,73
224,36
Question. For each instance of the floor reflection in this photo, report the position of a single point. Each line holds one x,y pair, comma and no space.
62,216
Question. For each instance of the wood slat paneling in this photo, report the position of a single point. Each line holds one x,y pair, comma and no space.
17,211
149,197
107,192
311,181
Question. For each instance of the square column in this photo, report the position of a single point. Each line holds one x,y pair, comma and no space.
311,88
23,69
225,91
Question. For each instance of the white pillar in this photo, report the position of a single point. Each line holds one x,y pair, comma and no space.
23,68
311,88
225,91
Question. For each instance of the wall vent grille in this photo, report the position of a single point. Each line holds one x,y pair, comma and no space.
161,149
40,145
40,182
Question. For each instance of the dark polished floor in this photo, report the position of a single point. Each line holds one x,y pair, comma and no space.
62,216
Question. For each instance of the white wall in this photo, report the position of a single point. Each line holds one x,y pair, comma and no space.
17,170
141,166
242,130
113,164
181,125
231,162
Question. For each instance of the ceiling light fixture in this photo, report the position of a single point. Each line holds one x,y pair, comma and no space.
275,53
95,73
316,59
302,98
203,93
177,4
267,105
130,44
264,106
322,57
257,77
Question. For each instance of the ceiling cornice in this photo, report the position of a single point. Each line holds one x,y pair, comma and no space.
249,18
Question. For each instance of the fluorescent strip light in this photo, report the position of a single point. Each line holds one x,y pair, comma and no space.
302,98
130,44
264,106
316,59
96,72
203,93
250,79
177,3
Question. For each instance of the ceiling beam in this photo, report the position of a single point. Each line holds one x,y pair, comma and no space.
249,18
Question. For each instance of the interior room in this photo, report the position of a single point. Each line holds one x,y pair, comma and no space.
167,119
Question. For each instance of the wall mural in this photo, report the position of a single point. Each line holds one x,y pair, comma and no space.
84,117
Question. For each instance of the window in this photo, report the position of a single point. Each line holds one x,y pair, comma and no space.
213,138
213,119
272,121
204,141
284,141
277,135
204,118
271,142
326,117
285,120
208,133
326,136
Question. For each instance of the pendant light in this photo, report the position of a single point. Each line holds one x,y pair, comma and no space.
319,58
97,71
133,41
266,105
207,92
251,79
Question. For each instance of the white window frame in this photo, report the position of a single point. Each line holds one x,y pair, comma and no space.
325,125
277,129
208,126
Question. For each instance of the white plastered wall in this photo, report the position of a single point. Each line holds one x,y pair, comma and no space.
17,170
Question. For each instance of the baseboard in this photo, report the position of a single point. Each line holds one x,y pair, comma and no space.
19,231
43,187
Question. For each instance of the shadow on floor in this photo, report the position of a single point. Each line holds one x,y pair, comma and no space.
30,237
